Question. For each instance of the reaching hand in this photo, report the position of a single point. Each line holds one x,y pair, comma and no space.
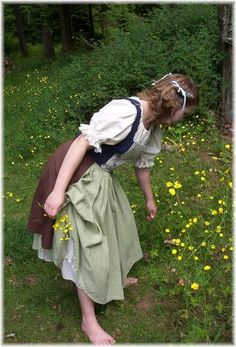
53,203
152,210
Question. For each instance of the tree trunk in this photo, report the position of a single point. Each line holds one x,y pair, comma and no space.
48,45
92,33
20,31
225,26
66,30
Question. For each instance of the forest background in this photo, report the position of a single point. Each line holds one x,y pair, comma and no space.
61,64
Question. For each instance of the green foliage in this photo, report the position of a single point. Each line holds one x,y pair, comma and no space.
165,41
178,38
68,90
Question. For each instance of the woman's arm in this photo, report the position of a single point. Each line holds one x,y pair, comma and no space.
71,161
143,177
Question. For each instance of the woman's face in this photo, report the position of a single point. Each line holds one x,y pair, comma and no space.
177,116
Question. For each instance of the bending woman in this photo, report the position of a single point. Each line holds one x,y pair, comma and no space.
88,230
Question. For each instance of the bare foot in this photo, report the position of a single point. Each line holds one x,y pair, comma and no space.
130,280
96,334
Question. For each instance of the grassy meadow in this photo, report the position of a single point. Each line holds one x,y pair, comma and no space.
184,292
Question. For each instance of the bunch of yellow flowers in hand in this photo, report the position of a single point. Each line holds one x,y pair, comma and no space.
63,225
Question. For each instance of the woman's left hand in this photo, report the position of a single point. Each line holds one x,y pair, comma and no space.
152,210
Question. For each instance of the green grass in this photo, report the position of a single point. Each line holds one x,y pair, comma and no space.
41,307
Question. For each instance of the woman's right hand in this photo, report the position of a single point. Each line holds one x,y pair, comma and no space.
54,203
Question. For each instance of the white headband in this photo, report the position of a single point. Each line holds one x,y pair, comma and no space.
175,84
155,82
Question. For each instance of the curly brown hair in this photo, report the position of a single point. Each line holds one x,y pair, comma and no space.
164,98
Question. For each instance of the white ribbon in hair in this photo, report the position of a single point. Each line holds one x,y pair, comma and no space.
176,84
155,82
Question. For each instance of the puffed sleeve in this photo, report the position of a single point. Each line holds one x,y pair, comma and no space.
152,149
110,125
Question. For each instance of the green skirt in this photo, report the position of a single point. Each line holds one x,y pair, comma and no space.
95,240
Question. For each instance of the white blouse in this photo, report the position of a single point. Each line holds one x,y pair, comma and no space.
112,123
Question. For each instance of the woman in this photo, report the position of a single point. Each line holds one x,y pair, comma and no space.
78,181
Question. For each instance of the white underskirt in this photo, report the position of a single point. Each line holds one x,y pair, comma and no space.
67,269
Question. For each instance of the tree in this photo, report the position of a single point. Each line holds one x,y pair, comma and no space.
92,33
66,29
225,25
20,31
48,45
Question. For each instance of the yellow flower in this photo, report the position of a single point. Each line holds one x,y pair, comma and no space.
213,246
199,195
227,146
182,244
203,178
207,223
172,191
221,234
203,244
220,202
169,184
177,185
190,248
195,286
207,267
230,184
179,257
220,210
197,172
214,158
225,257
214,212
195,257
174,251
63,219
56,226
183,230
231,248
223,249
218,228
167,230
177,241
194,220
172,169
